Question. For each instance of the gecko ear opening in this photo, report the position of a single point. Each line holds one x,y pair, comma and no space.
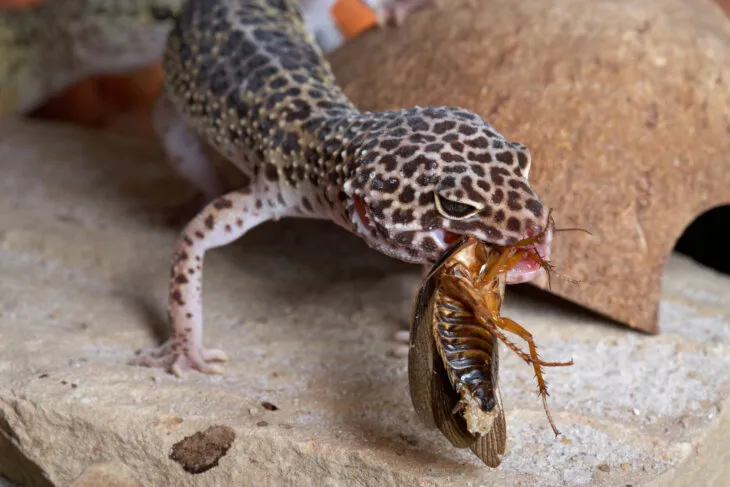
454,210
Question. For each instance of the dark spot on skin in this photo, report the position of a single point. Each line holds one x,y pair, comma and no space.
467,129
377,209
421,138
449,157
417,124
498,196
429,245
436,147
389,162
447,183
478,143
522,160
426,180
483,157
430,220
506,157
478,170
468,186
390,144
513,224
259,204
389,185
450,137
177,297
426,199
497,175
443,127
535,207
517,184
181,279
499,216
188,316
495,235
404,238
513,201
188,240
455,168
402,216
483,185
227,228
199,234
407,195
457,146
222,203
406,151
410,167
209,222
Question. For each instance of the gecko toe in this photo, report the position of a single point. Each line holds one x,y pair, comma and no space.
178,362
214,355
403,336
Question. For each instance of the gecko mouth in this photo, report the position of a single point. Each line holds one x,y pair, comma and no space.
527,269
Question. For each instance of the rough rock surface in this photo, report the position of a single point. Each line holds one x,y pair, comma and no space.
624,104
83,274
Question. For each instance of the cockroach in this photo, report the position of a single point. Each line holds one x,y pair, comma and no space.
453,359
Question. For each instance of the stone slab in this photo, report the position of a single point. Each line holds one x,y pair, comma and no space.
306,313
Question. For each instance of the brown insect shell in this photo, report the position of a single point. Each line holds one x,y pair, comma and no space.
433,394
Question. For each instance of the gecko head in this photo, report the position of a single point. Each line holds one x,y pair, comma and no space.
431,175
122,34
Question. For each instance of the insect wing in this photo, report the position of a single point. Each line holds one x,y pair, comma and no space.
490,447
431,393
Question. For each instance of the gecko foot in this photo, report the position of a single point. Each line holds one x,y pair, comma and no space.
402,337
177,361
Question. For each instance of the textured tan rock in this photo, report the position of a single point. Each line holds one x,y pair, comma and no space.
625,106
106,474
83,275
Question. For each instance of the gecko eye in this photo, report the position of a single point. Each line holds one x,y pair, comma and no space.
454,210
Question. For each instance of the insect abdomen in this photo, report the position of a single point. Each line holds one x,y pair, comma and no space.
469,351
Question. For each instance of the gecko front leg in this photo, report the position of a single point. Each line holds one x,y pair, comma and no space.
221,222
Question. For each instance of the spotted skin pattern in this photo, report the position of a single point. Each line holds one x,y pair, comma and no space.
246,77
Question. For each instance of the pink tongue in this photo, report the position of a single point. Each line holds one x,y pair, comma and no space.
525,265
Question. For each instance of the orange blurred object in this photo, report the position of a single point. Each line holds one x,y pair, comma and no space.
353,17
120,103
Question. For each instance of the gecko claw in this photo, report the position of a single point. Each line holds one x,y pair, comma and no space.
178,362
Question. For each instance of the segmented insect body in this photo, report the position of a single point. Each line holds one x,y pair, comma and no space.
453,362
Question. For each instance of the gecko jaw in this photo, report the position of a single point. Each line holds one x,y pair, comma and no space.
526,269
